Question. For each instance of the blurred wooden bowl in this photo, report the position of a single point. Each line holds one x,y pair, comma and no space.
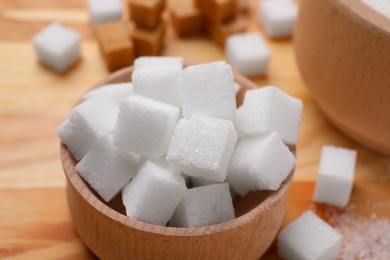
110,234
343,53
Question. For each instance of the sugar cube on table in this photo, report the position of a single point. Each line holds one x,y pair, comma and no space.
103,11
86,123
186,18
116,91
151,61
146,14
309,238
260,163
204,206
57,46
218,10
208,89
202,146
219,32
115,45
278,17
148,42
158,83
268,110
248,53
335,176
107,169
145,126
154,193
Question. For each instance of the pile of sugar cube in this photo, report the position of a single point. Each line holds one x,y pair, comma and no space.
174,143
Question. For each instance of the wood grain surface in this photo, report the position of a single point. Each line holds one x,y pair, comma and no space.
34,218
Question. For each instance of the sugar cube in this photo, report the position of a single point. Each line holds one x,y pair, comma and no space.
150,61
309,238
86,123
218,11
208,89
158,83
204,206
107,169
278,17
202,146
57,46
103,11
261,163
148,42
154,193
146,14
116,91
186,18
248,53
335,176
268,110
219,32
145,126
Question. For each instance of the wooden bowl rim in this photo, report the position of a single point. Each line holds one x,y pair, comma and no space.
363,14
80,186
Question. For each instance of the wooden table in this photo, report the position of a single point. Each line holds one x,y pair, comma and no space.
34,218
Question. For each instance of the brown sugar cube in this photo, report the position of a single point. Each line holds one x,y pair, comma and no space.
186,18
115,45
218,10
146,13
148,42
220,31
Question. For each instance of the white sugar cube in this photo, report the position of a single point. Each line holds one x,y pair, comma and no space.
154,193
107,169
278,17
309,238
151,61
208,89
268,110
145,126
204,206
158,83
261,163
57,46
116,91
202,146
103,11
248,53
335,176
86,123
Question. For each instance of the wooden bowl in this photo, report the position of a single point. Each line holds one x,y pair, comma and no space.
343,53
110,234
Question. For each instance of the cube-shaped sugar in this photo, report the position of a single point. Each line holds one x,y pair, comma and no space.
208,89
268,110
107,169
145,126
278,17
185,17
148,42
57,46
335,176
202,146
219,32
151,61
154,193
309,238
261,163
218,11
86,123
103,11
204,206
146,14
248,53
158,83
116,91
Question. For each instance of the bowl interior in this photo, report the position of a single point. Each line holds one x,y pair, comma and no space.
245,207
